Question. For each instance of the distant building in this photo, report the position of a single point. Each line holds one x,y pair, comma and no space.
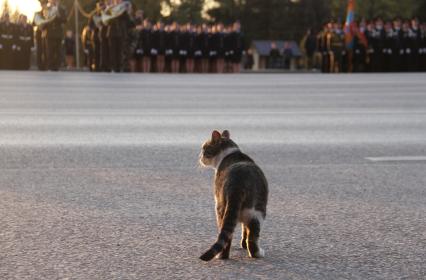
289,54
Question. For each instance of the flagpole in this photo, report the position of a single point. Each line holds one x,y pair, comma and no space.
77,35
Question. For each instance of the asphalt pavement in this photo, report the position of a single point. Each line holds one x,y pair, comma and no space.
99,176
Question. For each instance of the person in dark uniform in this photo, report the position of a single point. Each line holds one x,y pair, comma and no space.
198,49
415,42
184,45
26,42
220,33
423,47
397,46
169,51
117,37
158,47
238,47
406,45
173,43
7,35
146,44
205,49
360,49
54,34
190,63
16,55
377,43
216,49
137,50
388,47
227,46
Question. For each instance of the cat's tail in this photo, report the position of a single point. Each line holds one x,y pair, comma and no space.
225,236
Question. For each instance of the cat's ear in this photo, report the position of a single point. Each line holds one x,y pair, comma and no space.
226,134
216,136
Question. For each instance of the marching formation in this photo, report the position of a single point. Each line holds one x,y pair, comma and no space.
119,39
378,46
16,42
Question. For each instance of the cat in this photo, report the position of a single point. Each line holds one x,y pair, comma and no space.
241,195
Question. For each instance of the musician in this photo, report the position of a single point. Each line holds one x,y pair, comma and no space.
117,34
102,27
53,34
86,42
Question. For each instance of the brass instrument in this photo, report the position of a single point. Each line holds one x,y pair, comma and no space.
113,12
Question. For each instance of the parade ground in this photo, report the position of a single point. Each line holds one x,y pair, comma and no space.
99,174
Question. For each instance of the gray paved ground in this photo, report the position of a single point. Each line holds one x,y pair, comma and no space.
99,176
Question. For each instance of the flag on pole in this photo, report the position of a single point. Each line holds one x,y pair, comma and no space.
349,25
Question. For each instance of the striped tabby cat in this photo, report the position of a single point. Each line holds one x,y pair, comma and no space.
241,195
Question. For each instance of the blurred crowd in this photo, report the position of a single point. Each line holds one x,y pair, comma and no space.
122,40
376,46
16,42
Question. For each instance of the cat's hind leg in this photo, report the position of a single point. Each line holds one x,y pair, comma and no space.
224,255
253,239
244,235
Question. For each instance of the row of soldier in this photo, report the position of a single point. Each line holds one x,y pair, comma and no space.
16,42
377,46
118,38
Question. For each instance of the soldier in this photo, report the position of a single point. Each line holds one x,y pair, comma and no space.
238,46
198,49
26,42
54,33
377,43
415,43
398,49
406,44
146,43
389,48
423,48
158,47
190,64
360,48
6,43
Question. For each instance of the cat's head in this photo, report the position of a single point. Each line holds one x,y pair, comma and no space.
213,149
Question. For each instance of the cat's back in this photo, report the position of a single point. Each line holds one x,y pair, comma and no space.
240,171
